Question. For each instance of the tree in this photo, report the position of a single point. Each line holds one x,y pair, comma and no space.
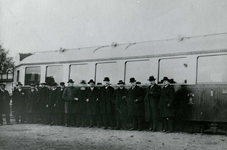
6,62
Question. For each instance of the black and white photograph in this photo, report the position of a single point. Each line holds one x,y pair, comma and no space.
113,75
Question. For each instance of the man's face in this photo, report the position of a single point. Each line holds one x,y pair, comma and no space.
133,83
70,84
106,83
62,86
92,84
2,87
121,85
165,82
152,82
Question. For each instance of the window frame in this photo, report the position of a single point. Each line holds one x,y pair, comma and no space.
25,70
52,66
159,67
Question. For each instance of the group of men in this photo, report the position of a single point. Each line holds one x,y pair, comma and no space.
93,105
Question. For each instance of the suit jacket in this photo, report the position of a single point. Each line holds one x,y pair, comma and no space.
105,102
53,100
151,101
167,97
4,102
18,100
120,97
135,108
68,96
93,97
31,102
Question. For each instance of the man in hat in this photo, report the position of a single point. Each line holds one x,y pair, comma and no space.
18,103
135,105
120,99
54,101
79,103
4,104
68,96
43,96
106,103
61,105
166,105
151,101
31,103
92,102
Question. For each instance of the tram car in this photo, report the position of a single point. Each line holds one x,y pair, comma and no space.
197,64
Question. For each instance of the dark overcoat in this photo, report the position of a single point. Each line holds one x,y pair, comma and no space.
32,101
120,99
60,104
135,108
53,100
43,95
167,97
105,101
68,96
4,102
93,97
151,101
18,100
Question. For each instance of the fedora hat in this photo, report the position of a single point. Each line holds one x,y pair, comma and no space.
132,80
3,83
70,81
151,78
62,83
19,84
120,82
106,79
83,82
54,84
91,81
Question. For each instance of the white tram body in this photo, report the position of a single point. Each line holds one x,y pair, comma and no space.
190,60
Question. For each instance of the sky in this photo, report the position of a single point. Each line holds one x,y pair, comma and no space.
43,25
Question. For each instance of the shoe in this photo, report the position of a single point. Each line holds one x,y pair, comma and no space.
90,126
164,130
9,123
132,129
117,128
112,128
150,129
99,126
105,128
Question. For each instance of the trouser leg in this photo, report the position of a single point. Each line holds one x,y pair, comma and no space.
1,120
170,124
7,118
105,120
91,120
17,117
135,122
139,123
164,124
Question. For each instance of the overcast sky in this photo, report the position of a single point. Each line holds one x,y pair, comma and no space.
42,25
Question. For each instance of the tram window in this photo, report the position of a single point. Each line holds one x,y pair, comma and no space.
32,75
54,74
173,68
107,70
80,72
212,69
140,70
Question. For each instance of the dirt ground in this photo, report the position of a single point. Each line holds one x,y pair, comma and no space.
45,137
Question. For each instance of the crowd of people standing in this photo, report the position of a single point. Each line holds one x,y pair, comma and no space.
91,105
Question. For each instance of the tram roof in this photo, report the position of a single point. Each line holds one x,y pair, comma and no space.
137,49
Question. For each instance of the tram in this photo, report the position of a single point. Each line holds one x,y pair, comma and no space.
198,65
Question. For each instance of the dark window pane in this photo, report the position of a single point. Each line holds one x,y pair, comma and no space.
173,69
107,70
32,75
54,74
212,69
80,72
140,70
